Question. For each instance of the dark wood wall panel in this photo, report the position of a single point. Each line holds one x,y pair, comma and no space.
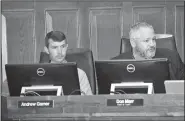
170,17
54,9
107,24
65,20
154,15
17,4
127,18
179,29
20,36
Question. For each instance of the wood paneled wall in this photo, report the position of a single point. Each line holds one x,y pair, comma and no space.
0,60
90,24
20,33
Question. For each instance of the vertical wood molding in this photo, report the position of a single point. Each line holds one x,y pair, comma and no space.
34,37
96,27
40,29
93,34
0,60
49,23
90,27
4,48
127,12
78,28
170,17
179,29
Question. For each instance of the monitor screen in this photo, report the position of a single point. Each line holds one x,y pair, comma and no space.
65,75
131,90
154,71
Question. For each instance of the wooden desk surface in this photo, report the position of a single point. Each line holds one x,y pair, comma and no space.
155,107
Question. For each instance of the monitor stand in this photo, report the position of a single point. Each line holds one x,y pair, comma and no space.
42,90
131,88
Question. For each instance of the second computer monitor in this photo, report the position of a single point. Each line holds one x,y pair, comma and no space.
154,71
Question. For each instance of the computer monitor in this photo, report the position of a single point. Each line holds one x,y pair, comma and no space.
154,71
65,75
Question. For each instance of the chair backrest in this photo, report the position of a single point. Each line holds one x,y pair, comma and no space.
125,45
162,41
166,41
84,59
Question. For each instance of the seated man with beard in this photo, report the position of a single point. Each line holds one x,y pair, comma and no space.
142,40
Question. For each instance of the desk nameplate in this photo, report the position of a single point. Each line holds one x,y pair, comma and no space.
125,102
36,104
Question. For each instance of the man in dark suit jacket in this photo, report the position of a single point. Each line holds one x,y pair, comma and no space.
142,40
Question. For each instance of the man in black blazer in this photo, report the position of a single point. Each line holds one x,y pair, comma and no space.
142,40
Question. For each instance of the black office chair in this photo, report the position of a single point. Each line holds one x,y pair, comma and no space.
162,41
84,59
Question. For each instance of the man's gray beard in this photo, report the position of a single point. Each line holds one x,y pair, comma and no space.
141,54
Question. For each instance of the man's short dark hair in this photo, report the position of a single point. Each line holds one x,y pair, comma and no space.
57,36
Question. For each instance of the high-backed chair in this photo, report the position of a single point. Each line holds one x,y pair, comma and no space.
162,41
125,45
84,59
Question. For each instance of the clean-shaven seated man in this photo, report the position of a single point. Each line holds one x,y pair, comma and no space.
56,47
142,40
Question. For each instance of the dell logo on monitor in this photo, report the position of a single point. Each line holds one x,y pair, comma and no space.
130,68
40,71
